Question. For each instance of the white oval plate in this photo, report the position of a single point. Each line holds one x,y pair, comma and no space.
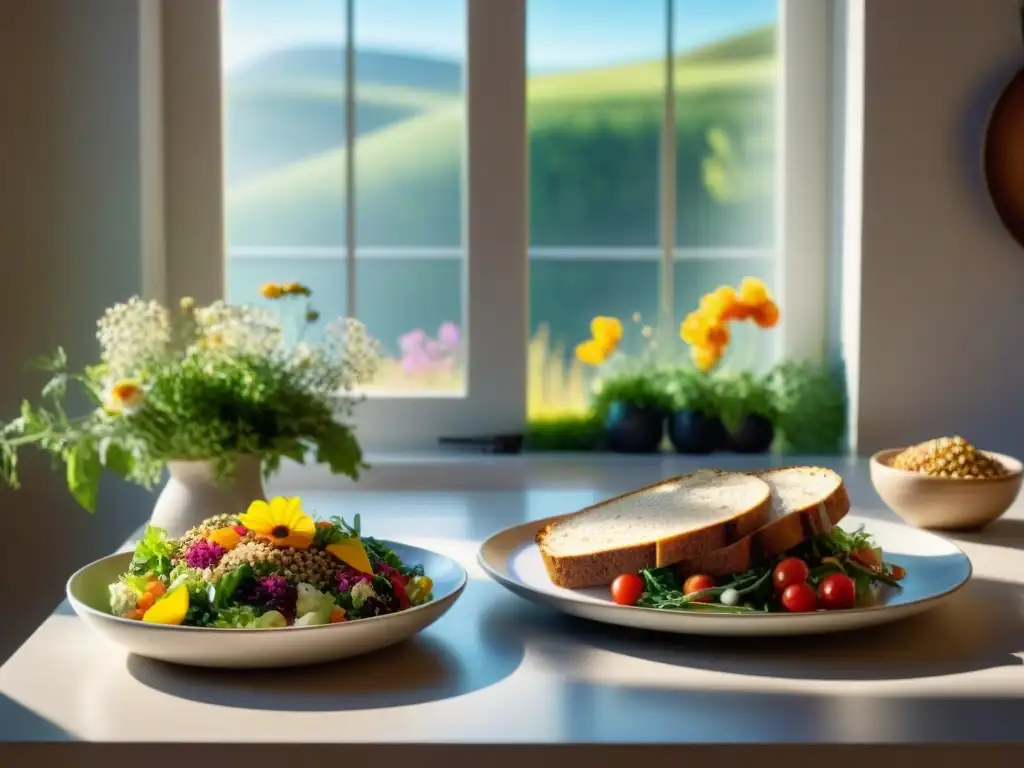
88,594
936,569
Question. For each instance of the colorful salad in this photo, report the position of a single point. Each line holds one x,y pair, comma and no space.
833,571
273,566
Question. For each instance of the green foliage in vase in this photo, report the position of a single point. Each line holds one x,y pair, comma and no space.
200,383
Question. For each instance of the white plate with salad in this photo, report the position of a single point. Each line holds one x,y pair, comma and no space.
785,567
272,587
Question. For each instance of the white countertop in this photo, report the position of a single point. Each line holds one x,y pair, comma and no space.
499,670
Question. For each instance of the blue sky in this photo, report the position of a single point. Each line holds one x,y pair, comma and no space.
562,34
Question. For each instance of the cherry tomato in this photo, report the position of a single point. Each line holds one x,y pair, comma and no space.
837,592
799,598
790,571
697,583
627,588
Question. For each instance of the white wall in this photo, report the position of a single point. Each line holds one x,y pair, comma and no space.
71,240
942,285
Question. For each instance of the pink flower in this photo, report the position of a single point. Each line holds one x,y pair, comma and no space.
449,335
415,361
412,340
433,349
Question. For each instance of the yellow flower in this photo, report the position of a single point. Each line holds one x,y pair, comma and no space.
718,303
212,340
592,352
187,304
271,291
281,522
753,292
295,289
692,329
126,395
705,358
607,331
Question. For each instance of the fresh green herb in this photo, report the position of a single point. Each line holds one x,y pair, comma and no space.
236,617
221,593
152,553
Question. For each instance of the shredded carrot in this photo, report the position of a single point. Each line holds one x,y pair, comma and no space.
337,615
156,588
136,614
146,601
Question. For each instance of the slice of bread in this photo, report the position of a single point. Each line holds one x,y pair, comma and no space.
663,523
805,501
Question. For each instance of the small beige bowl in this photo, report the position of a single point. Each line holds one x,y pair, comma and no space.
945,503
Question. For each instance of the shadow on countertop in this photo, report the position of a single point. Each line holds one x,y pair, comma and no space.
1005,532
980,627
458,655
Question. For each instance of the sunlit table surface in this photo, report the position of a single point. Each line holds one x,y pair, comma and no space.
517,681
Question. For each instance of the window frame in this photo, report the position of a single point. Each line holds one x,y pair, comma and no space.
496,218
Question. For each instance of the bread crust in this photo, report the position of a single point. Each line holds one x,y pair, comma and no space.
601,568
778,536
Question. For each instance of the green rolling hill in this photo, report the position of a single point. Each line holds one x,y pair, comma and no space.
594,143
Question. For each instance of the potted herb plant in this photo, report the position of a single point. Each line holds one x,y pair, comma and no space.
748,413
218,394
809,405
745,407
695,424
630,398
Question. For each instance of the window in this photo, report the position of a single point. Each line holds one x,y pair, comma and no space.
380,150
651,181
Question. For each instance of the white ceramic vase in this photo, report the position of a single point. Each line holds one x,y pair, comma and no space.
193,494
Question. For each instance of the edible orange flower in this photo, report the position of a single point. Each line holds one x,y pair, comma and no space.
271,291
281,522
225,537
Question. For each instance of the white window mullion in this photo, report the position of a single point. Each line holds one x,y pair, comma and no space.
350,159
667,175
495,228
803,160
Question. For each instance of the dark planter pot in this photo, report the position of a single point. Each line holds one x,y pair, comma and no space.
634,430
692,432
754,434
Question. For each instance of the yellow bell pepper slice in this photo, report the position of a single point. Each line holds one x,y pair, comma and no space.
169,609
352,552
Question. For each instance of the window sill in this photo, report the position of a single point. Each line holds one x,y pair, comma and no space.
452,471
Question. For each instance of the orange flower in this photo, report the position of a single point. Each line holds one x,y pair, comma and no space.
767,315
699,330
753,292
225,537
717,335
606,331
705,358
